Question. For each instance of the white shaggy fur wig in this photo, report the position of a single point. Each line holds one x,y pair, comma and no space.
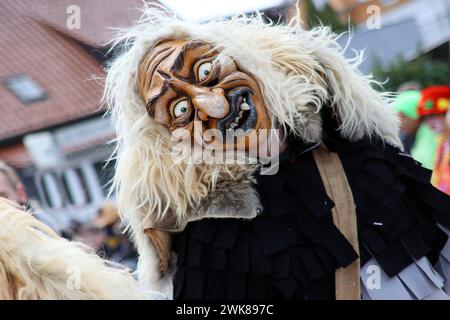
298,72
35,263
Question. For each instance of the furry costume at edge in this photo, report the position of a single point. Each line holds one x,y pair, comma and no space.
214,231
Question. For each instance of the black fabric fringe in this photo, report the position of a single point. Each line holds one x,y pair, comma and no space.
292,250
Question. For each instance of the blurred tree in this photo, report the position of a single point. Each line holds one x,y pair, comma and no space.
326,16
422,70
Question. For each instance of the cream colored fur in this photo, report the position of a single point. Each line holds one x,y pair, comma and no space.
35,263
299,73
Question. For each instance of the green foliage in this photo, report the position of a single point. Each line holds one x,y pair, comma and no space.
422,70
326,17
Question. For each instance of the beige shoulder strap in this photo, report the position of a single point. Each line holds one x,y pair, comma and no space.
161,241
344,216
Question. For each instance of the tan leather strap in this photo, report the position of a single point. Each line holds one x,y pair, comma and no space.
344,216
161,242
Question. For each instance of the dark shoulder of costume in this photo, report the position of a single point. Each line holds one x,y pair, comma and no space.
292,250
398,210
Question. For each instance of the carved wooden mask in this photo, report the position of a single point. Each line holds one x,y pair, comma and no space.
183,81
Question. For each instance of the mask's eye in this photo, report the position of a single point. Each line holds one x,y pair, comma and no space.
180,108
204,70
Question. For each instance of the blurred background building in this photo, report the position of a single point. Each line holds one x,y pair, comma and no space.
53,128
407,29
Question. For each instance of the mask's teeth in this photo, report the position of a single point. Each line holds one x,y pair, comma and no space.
245,106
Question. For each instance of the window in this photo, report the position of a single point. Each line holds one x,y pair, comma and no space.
84,186
74,187
105,171
25,88
52,190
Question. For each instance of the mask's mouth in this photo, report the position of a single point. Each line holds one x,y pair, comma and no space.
243,114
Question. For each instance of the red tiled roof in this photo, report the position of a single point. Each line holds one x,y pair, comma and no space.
16,155
97,17
30,45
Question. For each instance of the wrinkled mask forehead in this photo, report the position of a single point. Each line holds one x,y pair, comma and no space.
187,84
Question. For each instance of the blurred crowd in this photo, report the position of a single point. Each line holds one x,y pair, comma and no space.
105,233
425,128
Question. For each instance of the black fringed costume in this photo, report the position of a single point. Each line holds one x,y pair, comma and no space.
292,250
